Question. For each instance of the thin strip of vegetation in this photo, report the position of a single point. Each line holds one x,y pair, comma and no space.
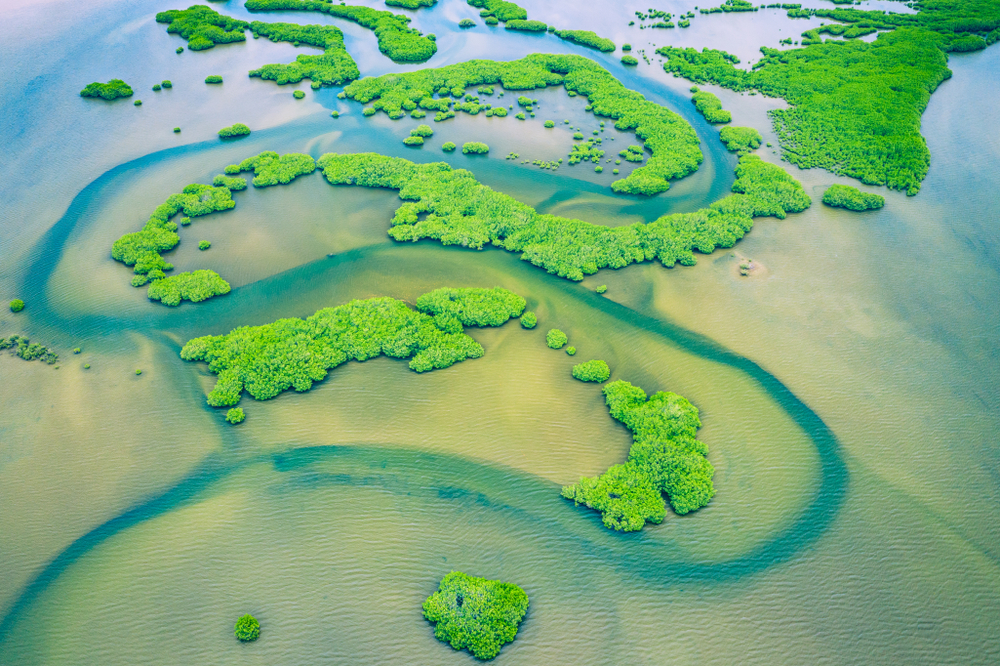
672,141
294,353
710,106
587,38
449,205
666,458
396,39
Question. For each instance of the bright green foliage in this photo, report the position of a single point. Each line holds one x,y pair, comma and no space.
213,78
411,4
454,308
461,211
177,130
113,89
230,183
448,146
235,130
204,245
298,94
395,38
247,628
592,371
475,148
196,287
167,84
202,27
632,154
294,353
555,338
851,198
466,23
500,10
740,140
665,458
180,49
526,26
16,305
234,416
730,6
529,320
156,87
571,351
271,169
138,372
855,106
549,124
414,141
520,116
30,351
142,249
335,67
137,102
669,137
629,60
710,106
491,20
422,130
475,613
586,151
601,289
586,38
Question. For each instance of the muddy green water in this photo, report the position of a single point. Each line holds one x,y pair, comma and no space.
847,389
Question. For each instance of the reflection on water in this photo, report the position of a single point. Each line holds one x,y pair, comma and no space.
136,525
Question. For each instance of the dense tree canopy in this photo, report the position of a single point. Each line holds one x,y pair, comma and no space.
451,206
592,371
294,353
396,39
335,67
203,27
113,89
672,141
476,613
855,106
665,458
851,198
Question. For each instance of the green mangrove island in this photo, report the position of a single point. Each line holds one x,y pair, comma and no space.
665,459
476,614
294,353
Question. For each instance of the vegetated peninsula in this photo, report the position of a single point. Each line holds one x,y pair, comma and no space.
203,28
515,17
709,105
293,353
856,106
451,206
672,141
143,249
478,614
396,39
333,68
665,459
111,90
851,198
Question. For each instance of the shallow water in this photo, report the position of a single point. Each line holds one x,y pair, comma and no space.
846,390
